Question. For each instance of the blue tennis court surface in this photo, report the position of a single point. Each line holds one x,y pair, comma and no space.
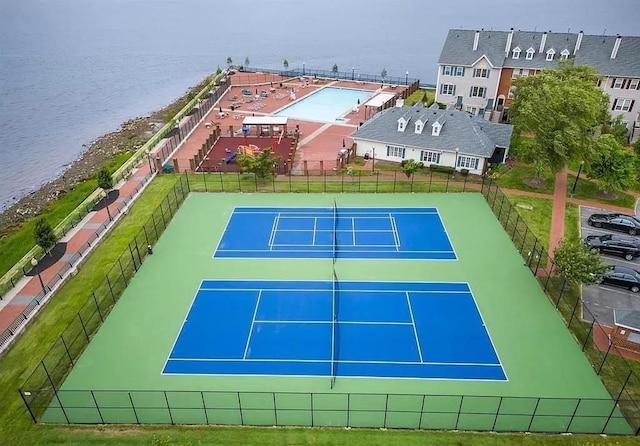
322,328
356,233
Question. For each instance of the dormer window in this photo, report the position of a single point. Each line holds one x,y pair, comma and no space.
516,53
402,124
419,127
550,55
564,54
530,53
435,129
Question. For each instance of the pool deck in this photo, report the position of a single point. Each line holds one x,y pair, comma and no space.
319,141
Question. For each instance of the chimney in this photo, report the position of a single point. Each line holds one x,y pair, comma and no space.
578,42
509,39
616,47
543,41
475,40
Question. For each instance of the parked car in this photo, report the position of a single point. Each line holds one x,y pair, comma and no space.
617,222
621,276
617,245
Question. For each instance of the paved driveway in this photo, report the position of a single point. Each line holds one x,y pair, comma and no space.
601,299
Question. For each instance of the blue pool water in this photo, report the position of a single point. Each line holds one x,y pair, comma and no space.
326,104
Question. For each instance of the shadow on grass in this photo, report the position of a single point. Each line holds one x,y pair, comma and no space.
49,259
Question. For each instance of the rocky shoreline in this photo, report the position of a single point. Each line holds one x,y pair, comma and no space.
131,136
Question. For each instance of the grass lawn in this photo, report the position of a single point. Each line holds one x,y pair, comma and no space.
588,190
571,221
538,218
514,178
16,428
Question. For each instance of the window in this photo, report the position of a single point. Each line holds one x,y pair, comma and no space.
516,53
418,128
530,53
622,104
512,91
472,110
467,162
550,55
449,70
395,151
459,71
447,89
524,72
515,73
446,70
478,92
427,156
633,84
481,72
564,55
617,83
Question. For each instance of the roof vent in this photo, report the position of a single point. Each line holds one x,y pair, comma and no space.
616,47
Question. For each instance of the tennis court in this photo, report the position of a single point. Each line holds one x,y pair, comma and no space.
334,329
350,232
336,333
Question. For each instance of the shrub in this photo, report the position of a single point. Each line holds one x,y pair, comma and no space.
439,168
464,172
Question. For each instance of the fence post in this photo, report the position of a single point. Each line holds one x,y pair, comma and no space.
164,220
122,271
412,177
459,410
424,397
133,259
186,177
24,400
84,329
464,186
515,228
584,345
573,312
240,409
239,183
533,415
64,344
430,178
138,252
204,407
311,401
55,391
97,306
524,237
133,406
377,179
386,409
501,204
495,420
564,282
255,180
395,178
342,181
615,404
168,407
573,415
604,359
275,408
146,237
113,298
153,219
97,406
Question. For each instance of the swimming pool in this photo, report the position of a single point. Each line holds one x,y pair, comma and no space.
326,104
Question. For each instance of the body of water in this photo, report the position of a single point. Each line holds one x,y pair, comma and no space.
72,70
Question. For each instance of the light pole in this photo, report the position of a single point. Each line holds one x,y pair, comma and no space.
34,263
149,160
373,159
303,68
575,183
353,70
455,164
406,78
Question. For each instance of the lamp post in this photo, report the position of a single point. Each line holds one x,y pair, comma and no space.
34,263
406,78
149,160
373,159
455,164
353,70
575,183
303,68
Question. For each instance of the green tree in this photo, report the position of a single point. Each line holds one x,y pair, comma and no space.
334,68
246,61
411,166
44,235
262,165
612,164
218,70
229,61
578,263
285,64
617,128
383,75
558,111
105,180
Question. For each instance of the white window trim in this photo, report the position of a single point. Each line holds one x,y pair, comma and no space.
459,71
550,55
512,91
468,162
524,72
633,85
448,89
396,151
430,156
481,73
480,92
623,104
616,85
530,54
447,70
515,54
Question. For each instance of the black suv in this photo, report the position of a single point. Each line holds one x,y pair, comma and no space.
623,277
617,222
616,245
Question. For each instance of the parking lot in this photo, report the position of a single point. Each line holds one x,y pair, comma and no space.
603,299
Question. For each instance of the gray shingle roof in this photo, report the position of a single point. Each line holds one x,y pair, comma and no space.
594,50
470,134
627,318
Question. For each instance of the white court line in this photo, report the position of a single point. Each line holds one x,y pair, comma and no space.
344,361
353,230
329,322
413,322
226,227
326,290
394,229
337,230
315,225
253,320
274,228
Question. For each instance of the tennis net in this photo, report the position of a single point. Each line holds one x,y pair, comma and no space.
335,230
334,327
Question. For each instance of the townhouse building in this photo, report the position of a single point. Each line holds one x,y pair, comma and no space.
476,69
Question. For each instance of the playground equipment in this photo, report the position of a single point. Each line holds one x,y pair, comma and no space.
249,150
